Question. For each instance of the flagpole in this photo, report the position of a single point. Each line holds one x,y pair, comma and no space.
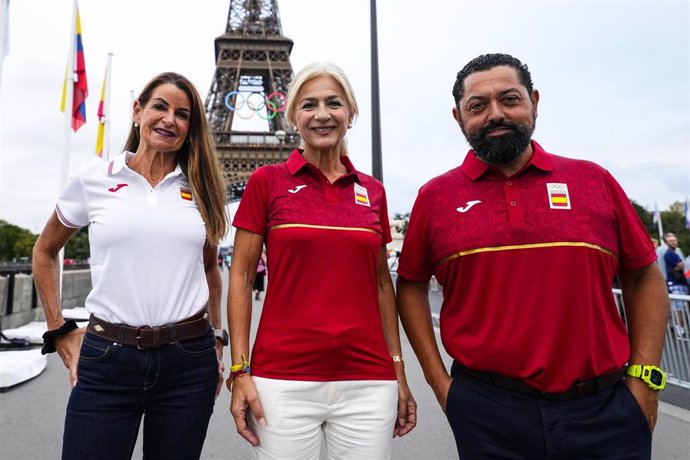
106,108
69,99
68,95
4,36
657,217
4,24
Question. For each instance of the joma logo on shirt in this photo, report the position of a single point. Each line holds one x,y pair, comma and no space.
117,187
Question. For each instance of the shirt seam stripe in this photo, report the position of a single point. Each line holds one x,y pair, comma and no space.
323,227
527,246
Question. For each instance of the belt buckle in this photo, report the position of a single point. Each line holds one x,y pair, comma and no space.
139,347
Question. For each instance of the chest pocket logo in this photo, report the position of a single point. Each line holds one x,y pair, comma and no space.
296,189
361,196
558,196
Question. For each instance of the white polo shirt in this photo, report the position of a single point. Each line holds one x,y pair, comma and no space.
147,266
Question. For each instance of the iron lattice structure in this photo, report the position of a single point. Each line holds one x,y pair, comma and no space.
253,72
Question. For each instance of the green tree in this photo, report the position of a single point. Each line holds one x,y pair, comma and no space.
15,242
24,244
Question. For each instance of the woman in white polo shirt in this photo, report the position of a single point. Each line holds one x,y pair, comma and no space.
155,216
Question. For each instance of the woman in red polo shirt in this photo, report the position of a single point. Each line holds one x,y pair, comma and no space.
327,357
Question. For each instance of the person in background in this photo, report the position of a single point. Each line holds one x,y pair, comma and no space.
661,252
153,344
676,281
540,351
326,362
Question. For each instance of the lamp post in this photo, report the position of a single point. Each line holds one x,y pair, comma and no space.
376,166
280,136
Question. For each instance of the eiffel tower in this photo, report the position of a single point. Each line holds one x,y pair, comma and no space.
249,89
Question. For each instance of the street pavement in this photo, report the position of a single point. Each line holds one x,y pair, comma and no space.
32,416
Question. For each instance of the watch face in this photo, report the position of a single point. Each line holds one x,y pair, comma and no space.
656,377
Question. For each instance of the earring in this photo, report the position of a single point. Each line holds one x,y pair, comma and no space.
349,126
136,125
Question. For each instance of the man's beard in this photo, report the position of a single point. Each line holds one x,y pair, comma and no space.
503,149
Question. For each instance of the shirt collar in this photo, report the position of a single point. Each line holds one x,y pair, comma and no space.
116,164
475,168
296,163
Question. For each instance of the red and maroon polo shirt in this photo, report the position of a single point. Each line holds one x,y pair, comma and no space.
321,318
526,264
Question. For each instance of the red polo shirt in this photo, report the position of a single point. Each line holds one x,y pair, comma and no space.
526,264
321,318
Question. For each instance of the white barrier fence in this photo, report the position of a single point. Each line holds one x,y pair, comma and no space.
675,360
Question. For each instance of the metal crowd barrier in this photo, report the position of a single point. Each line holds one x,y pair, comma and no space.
675,360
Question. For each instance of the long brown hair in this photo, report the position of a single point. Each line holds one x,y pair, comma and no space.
197,156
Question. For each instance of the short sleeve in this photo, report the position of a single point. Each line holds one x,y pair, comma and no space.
383,218
71,208
415,256
252,213
635,245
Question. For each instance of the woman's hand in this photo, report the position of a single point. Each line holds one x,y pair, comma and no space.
407,410
221,367
245,399
68,347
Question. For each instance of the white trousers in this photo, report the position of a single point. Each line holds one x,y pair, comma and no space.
356,417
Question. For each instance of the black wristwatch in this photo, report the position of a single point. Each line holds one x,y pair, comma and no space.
222,335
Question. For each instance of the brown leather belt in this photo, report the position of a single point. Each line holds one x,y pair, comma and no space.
146,337
586,388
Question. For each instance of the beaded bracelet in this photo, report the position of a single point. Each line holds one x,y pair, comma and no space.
50,336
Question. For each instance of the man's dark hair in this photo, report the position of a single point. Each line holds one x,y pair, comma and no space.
487,62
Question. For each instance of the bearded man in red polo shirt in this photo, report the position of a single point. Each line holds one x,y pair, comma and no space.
526,245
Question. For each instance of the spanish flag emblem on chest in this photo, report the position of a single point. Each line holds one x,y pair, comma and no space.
361,196
185,193
558,196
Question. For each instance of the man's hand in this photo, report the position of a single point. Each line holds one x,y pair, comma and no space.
221,366
441,390
647,398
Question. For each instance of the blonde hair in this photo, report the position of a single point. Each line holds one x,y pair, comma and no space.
316,70
197,156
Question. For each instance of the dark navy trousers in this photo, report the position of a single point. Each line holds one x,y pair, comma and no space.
171,387
493,423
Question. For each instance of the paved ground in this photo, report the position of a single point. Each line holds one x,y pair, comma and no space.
31,419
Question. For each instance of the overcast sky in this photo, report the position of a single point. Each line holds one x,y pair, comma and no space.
613,77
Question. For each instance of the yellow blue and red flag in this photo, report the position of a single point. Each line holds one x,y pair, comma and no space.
81,89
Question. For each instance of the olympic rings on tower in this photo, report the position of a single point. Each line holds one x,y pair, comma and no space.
256,103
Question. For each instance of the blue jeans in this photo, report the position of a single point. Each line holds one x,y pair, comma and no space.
491,423
172,387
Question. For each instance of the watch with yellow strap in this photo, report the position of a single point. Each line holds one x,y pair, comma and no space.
654,377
